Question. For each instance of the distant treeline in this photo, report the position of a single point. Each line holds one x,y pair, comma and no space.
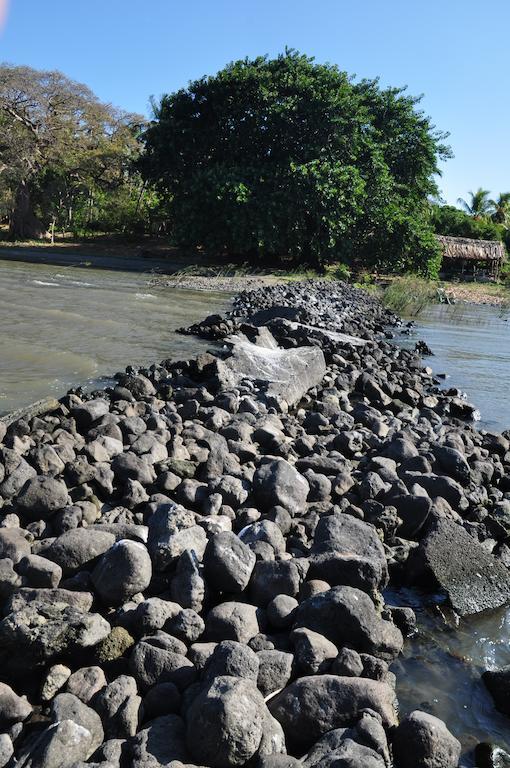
270,159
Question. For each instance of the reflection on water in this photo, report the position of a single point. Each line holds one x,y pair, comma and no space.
441,667
60,326
440,670
472,345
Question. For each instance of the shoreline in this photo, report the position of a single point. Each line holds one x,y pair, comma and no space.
328,460
172,269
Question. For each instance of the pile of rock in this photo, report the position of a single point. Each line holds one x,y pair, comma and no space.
192,562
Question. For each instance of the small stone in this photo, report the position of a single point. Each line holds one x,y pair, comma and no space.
56,678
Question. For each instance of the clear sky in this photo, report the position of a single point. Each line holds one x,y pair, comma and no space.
455,52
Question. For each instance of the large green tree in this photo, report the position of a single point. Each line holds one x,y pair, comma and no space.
286,158
58,145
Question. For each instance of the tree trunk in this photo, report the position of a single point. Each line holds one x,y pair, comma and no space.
24,224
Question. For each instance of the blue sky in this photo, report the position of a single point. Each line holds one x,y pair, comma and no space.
454,52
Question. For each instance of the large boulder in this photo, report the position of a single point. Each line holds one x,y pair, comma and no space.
38,633
160,743
41,496
123,571
284,373
228,563
347,616
348,551
226,723
78,548
423,741
311,706
278,483
449,558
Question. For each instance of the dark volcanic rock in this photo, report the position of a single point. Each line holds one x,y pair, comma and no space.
498,684
226,723
312,706
348,617
276,482
424,741
451,559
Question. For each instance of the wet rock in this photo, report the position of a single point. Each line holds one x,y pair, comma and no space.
449,558
498,685
424,741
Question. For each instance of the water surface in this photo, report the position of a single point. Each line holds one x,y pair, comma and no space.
63,326
440,669
471,343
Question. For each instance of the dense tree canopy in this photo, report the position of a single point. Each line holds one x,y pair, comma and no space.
448,220
60,150
288,158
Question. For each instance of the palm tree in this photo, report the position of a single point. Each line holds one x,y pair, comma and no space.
480,204
501,209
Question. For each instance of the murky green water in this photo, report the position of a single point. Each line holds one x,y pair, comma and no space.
63,326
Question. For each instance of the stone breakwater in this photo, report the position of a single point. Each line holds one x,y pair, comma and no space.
193,561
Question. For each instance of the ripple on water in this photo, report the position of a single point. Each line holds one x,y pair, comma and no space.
91,326
441,667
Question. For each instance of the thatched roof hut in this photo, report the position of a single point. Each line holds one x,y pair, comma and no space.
487,255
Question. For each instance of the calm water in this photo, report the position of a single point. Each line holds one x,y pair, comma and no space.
65,326
472,345
440,670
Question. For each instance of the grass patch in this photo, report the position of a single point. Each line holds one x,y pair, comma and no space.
409,295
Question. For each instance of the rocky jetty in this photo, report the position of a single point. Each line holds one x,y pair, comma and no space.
193,562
